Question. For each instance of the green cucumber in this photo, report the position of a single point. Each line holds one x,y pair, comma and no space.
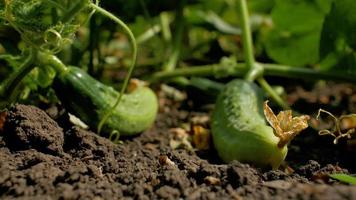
239,128
90,100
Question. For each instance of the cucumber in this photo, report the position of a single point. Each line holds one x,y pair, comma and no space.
90,99
239,129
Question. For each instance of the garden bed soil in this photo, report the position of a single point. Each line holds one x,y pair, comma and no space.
43,158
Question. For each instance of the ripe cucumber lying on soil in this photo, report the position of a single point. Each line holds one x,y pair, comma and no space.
239,129
90,99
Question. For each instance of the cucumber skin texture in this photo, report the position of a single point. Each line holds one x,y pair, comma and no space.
239,129
90,99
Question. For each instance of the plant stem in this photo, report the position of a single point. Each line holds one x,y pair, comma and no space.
264,84
177,44
240,69
254,69
176,47
53,61
246,34
205,70
153,30
166,31
9,88
306,73
133,63
148,34
93,41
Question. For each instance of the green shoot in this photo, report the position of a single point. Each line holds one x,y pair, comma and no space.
344,178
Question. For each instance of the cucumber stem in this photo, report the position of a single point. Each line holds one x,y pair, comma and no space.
53,61
133,63
8,88
166,31
217,70
247,38
254,69
176,47
93,43
240,69
148,34
177,43
265,86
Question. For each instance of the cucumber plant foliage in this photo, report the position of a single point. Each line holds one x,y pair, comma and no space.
294,37
338,38
44,28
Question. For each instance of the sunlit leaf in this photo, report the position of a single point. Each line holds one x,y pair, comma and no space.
294,38
344,178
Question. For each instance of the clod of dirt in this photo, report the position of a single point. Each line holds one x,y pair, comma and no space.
28,127
90,147
242,174
2,120
308,169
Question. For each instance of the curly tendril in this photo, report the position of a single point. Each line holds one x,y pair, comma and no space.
54,41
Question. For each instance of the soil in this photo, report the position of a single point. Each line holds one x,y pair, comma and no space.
43,158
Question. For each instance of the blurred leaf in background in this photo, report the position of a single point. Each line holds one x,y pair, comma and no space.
294,38
345,178
338,38
260,6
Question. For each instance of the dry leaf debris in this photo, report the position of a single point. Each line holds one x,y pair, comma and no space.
344,126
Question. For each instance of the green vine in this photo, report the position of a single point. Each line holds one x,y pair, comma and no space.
233,68
255,70
132,66
25,17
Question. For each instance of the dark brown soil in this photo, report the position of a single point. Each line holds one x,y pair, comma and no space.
41,160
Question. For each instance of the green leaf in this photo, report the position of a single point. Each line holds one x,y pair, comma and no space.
30,15
344,178
338,38
294,38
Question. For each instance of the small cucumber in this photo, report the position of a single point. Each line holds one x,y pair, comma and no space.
239,129
90,99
